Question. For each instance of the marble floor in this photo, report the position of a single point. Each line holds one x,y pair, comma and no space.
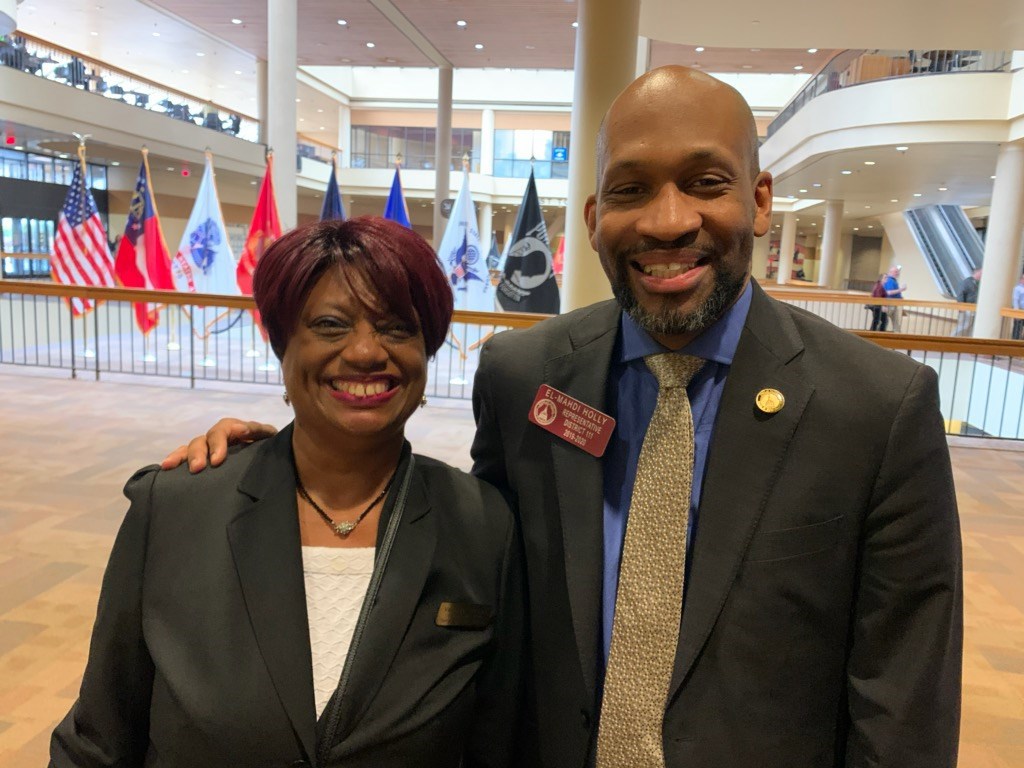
66,448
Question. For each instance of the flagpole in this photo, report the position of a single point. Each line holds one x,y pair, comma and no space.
86,352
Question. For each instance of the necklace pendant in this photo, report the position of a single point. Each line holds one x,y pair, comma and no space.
344,528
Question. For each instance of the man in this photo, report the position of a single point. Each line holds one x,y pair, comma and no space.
968,294
822,616
1018,303
893,290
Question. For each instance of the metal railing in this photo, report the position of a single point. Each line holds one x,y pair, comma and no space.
855,67
52,62
206,340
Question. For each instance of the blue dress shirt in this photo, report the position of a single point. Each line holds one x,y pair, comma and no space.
631,397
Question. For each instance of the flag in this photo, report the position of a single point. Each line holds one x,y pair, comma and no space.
332,207
204,262
80,253
494,255
264,229
558,260
460,255
143,260
528,281
395,208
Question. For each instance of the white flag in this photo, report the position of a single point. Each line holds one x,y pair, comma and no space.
204,263
460,254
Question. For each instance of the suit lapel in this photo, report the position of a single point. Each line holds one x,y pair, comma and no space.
746,454
582,373
267,552
405,574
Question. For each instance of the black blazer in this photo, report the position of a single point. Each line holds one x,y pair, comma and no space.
200,654
823,623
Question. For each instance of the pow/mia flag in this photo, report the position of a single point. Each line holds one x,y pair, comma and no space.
528,281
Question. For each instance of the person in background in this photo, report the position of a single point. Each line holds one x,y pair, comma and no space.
894,290
328,598
1017,302
879,317
968,294
763,566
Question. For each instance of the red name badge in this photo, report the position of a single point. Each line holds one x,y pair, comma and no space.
572,420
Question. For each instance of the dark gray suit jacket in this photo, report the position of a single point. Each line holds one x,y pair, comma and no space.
822,625
200,654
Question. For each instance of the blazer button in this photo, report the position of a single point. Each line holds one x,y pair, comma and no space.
585,719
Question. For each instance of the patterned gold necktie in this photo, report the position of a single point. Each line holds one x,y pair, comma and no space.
649,601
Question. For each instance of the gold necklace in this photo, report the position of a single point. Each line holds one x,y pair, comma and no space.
344,528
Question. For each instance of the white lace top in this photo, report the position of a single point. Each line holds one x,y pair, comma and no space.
336,582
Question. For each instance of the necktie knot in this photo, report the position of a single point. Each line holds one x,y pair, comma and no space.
672,369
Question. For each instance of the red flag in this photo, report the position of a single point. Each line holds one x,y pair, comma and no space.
80,254
264,229
143,260
558,260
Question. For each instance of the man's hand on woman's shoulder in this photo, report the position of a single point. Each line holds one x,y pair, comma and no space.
212,448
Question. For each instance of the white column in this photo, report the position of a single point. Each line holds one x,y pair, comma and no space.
828,254
643,55
345,135
261,98
442,148
487,143
486,228
1002,241
282,62
786,247
604,64
759,257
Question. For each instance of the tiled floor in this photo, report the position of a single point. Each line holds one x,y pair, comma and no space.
66,448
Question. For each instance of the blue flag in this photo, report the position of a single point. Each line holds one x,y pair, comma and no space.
332,208
460,254
395,208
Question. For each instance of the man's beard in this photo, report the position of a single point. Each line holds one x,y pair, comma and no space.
674,322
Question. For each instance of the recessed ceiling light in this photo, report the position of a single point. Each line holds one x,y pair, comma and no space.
302,119
917,194
814,223
346,61
991,177
253,182
815,184
798,67
170,167
156,34
812,50
575,24
95,34
894,200
238,71
867,207
342,23
902,149
460,23
297,99
699,49
19,147
390,60
871,226
846,173
236,21
530,47
479,46
115,162
855,229
755,50
798,218
371,45
748,66
803,190
322,128
319,110
869,162
200,53
943,189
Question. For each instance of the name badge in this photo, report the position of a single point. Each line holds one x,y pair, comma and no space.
572,420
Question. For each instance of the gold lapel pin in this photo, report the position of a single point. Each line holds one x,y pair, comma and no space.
770,401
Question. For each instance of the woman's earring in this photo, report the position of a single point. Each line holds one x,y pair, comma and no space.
287,400
423,401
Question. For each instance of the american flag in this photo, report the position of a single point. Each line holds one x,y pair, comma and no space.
81,255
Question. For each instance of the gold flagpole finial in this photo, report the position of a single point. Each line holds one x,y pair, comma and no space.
465,161
398,160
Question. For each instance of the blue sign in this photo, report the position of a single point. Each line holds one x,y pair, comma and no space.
560,154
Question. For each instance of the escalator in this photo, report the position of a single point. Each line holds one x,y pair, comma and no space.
951,247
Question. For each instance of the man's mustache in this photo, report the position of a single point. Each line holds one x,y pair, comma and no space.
650,245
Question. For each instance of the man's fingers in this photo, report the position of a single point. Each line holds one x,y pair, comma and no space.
175,457
229,431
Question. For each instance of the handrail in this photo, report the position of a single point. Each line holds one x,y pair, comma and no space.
501,319
130,75
955,344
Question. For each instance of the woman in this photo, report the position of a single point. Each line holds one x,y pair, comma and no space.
325,598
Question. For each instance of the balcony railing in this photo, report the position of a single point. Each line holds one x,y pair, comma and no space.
206,341
856,67
49,61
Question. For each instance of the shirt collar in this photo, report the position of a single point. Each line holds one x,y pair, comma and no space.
717,343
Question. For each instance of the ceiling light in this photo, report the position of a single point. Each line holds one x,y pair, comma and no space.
319,110
798,67
575,24
755,50
530,47
814,223
943,189
342,23
346,61
812,50
460,23
867,207
871,226
156,34
302,119
902,149
803,190
699,49
846,173
479,46
748,66
238,71
19,147
815,184
371,45
200,53
855,229
390,60
253,182
917,194
170,167
115,163
322,128
236,21
992,177
894,200
869,162
297,99
95,34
